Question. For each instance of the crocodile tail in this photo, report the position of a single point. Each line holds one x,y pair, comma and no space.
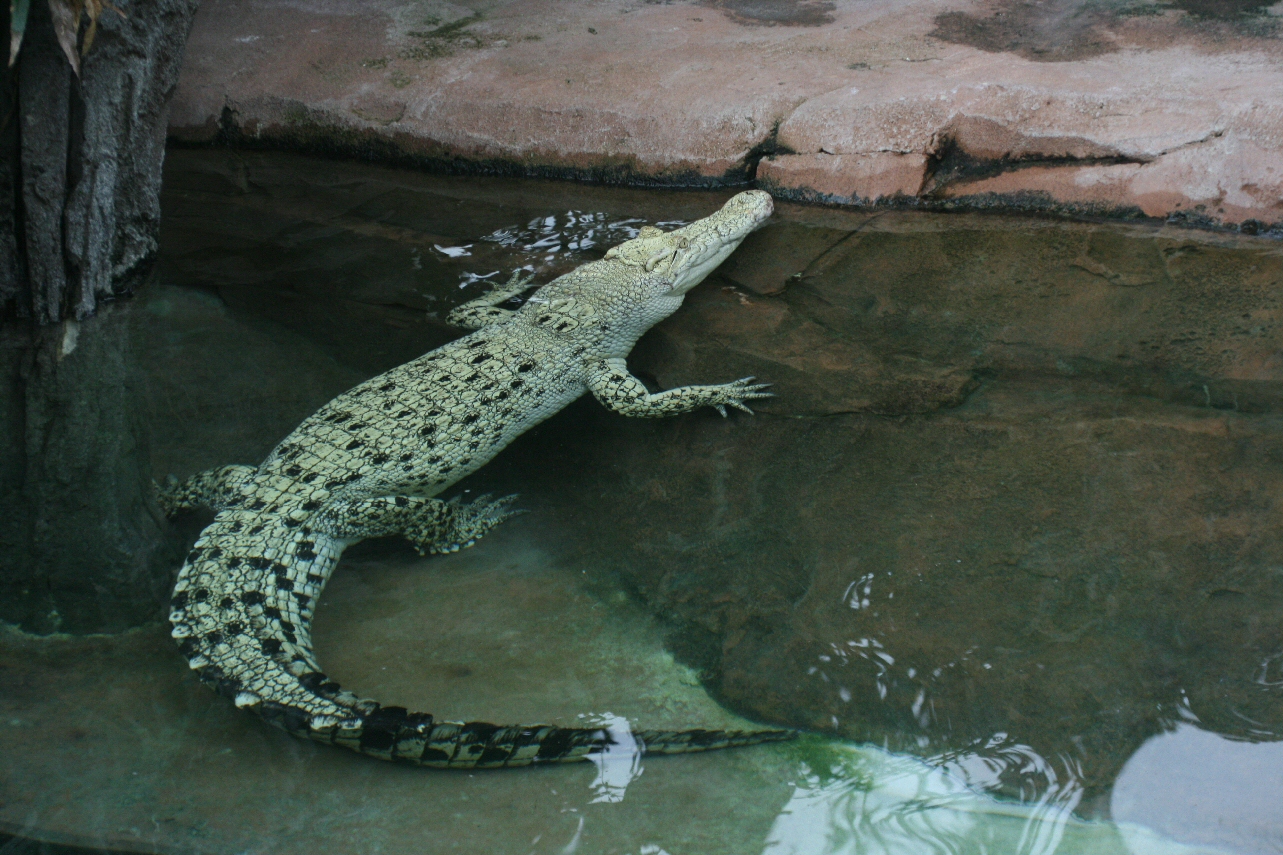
241,613
393,733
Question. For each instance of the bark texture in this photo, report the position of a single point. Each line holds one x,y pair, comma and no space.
81,547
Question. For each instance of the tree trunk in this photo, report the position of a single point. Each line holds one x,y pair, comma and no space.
82,547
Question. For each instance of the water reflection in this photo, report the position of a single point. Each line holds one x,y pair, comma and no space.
1204,788
865,801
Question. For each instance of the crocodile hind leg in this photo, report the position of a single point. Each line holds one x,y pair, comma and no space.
484,311
213,488
431,525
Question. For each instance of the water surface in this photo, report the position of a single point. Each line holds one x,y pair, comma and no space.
1005,545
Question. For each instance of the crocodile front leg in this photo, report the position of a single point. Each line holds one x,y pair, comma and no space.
484,311
431,525
213,488
610,383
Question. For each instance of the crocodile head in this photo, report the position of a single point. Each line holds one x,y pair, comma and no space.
679,260
644,280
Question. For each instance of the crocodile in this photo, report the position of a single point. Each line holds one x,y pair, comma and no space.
371,462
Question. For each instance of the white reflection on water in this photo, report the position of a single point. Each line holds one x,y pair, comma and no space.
872,802
1203,788
572,232
620,764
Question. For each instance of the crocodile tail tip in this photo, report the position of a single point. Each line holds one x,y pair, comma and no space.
687,741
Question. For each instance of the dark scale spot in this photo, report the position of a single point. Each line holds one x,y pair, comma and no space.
294,471
354,445
526,366
446,470
259,562
432,414
488,386
470,418
200,595
401,501
408,456
465,461
480,358
179,600
252,598
379,459
303,599
339,417
356,426
290,636
215,637
516,384
226,603
272,612
271,646
334,483
404,413
256,505
233,563
284,584
311,505
256,529
471,378
236,628
280,569
236,526
315,578
387,387
306,550
310,477
434,459
380,728
502,396
193,556
480,342
290,522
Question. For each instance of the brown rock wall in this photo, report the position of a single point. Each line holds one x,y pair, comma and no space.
1169,110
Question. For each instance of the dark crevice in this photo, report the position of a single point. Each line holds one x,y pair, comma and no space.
768,147
951,164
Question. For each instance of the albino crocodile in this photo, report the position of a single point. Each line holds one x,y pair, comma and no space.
369,463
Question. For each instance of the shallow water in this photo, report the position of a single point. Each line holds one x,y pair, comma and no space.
1005,545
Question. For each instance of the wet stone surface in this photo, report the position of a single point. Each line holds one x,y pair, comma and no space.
1014,510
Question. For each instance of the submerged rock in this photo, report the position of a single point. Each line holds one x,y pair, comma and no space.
1015,500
